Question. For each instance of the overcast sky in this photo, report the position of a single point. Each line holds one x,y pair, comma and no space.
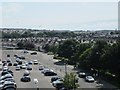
60,15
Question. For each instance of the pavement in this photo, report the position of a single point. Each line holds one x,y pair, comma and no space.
44,81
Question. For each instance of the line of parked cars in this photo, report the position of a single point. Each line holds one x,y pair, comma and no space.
56,81
88,78
7,81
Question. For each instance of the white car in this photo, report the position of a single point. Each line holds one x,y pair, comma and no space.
6,76
17,59
9,83
26,73
17,67
5,68
35,61
89,79
46,70
57,82
24,66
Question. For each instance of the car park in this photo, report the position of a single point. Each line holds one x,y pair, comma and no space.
89,79
25,79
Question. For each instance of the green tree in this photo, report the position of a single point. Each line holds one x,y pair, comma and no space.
67,49
70,81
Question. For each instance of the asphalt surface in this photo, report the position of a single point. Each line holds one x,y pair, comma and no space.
44,81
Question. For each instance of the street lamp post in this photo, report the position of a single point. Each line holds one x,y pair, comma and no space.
65,62
65,68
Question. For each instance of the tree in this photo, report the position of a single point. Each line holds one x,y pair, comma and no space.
67,49
20,45
70,81
26,45
79,49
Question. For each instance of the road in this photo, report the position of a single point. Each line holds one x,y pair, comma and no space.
44,81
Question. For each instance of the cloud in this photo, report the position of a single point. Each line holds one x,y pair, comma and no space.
11,7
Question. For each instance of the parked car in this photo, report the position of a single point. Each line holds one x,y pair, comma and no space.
21,57
30,62
17,67
35,61
8,55
15,64
9,79
26,73
9,87
25,79
57,83
41,67
8,60
3,61
20,62
5,68
82,75
6,76
33,53
54,78
5,64
10,64
50,73
89,79
45,70
4,73
24,66
29,68
18,59
10,71
7,83
25,51
16,55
